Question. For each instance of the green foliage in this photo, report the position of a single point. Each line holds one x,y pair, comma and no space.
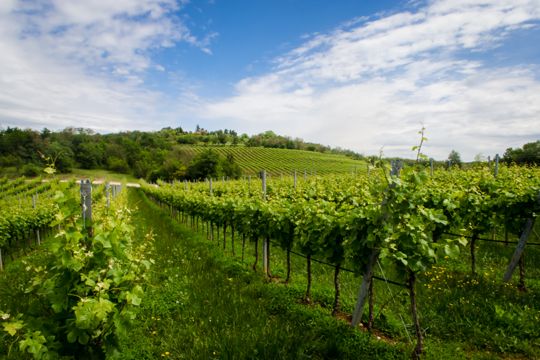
454,158
230,168
210,164
86,294
30,170
205,165
162,154
529,154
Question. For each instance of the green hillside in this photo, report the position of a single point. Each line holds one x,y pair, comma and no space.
280,161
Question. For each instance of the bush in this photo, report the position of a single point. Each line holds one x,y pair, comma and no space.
31,170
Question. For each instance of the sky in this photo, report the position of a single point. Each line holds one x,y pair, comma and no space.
360,75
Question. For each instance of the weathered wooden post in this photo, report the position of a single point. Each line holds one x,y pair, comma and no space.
108,194
496,172
38,235
368,272
86,203
266,242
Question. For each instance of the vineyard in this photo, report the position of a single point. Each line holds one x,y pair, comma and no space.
281,161
437,263
408,223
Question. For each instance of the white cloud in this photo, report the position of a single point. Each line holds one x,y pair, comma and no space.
373,83
82,63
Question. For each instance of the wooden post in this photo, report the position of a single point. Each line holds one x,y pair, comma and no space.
419,348
364,288
496,165
368,272
38,238
519,250
1,261
266,242
108,194
86,203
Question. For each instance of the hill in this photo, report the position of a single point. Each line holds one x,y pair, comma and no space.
279,161
166,154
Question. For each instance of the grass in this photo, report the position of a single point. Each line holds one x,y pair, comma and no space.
98,174
202,304
463,316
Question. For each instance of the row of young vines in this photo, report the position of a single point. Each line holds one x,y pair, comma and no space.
81,288
353,221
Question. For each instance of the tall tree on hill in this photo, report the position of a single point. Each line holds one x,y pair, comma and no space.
230,168
455,158
205,165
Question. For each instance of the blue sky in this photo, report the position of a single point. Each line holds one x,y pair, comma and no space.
364,75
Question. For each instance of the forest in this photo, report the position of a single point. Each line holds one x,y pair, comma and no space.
147,155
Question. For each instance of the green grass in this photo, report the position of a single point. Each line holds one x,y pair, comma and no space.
462,316
98,174
281,161
202,304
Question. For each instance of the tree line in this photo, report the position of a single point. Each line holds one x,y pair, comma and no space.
148,155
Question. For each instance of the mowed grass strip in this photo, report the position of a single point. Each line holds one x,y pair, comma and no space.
462,316
201,304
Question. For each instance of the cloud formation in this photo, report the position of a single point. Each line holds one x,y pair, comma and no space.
82,63
373,83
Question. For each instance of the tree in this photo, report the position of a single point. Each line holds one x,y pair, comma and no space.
205,165
479,158
231,168
529,154
455,158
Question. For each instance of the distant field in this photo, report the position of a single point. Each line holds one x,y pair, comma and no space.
278,161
